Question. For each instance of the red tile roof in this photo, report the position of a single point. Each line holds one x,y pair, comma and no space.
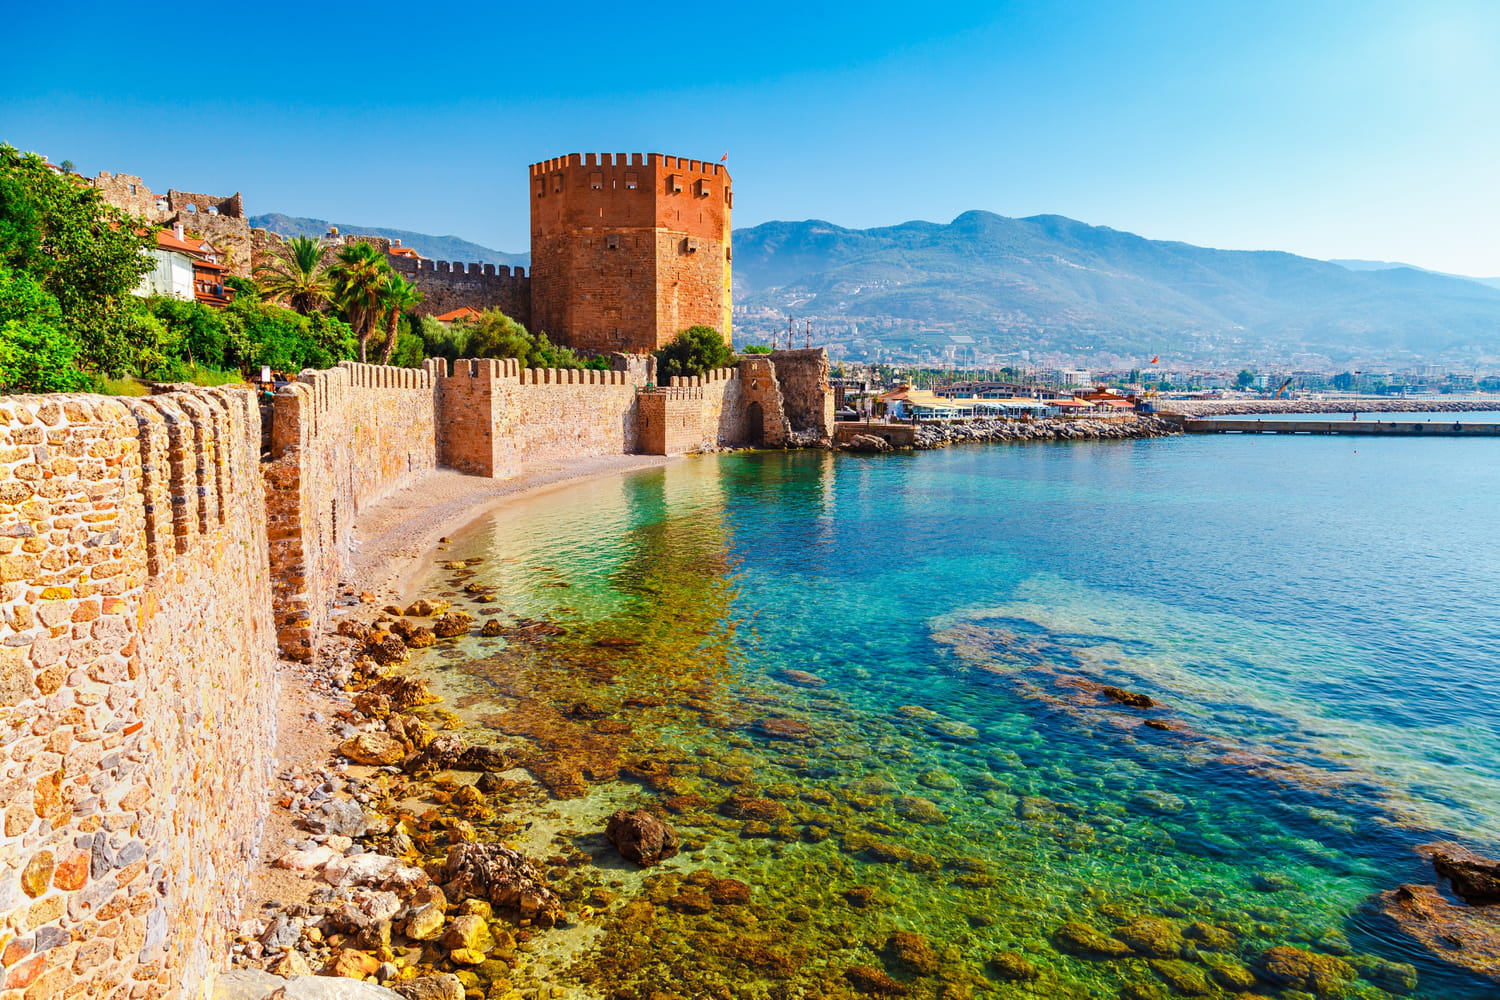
462,312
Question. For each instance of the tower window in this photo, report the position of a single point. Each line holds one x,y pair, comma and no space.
596,181
703,188
632,181
612,241
674,184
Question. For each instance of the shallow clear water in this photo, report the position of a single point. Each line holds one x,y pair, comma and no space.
1312,618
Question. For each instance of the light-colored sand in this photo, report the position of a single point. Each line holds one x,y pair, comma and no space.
395,535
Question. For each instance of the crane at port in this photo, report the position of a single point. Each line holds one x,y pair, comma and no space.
1282,388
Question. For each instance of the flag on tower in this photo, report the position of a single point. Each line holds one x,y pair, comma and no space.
724,157
1156,359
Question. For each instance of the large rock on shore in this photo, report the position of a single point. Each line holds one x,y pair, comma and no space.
641,837
501,876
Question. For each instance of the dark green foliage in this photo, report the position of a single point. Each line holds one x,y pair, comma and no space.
35,354
244,336
696,350
85,255
756,349
496,335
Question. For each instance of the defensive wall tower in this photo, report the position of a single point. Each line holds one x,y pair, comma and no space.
628,250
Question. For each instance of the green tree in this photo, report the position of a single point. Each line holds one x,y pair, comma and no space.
35,354
696,350
85,254
396,296
764,349
297,278
1245,379
358,275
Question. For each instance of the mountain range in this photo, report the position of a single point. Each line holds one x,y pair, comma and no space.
1061,289
1049,289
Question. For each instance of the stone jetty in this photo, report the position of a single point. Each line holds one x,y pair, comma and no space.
938,435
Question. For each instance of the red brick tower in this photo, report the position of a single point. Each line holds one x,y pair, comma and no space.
629,250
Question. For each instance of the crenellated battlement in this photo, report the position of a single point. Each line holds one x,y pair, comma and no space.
707,378
422,266
705,168
494,370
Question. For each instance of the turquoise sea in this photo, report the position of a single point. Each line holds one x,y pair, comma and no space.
871,688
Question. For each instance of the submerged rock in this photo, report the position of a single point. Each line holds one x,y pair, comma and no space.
911,954
1183,977
1081,939
1013,967
641,837
870,980
1151,936
749,808
801,678
1132,698
1320,975
783,729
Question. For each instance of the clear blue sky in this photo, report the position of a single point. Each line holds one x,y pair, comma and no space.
1323,127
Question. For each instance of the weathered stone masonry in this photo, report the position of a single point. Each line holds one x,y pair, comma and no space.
137,678
341,439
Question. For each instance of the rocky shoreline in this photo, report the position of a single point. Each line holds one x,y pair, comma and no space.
1237,407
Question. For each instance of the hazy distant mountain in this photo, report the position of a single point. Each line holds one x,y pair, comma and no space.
434,247
1387,265
1054,286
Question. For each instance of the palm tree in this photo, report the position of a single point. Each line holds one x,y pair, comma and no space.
297,277
396,295
359,275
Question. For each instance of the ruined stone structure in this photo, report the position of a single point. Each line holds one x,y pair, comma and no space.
137,684
627,251
218,219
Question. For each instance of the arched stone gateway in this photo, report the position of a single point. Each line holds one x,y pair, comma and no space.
755,425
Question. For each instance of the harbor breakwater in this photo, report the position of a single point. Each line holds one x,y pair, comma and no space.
1234,407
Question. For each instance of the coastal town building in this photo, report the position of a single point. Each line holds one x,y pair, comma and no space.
185,268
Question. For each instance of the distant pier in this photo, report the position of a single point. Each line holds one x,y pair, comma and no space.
1386,428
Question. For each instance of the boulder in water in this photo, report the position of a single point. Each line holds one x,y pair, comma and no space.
641,837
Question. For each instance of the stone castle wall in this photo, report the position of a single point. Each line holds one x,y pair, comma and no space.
340,440
446,286
137,685
496,415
